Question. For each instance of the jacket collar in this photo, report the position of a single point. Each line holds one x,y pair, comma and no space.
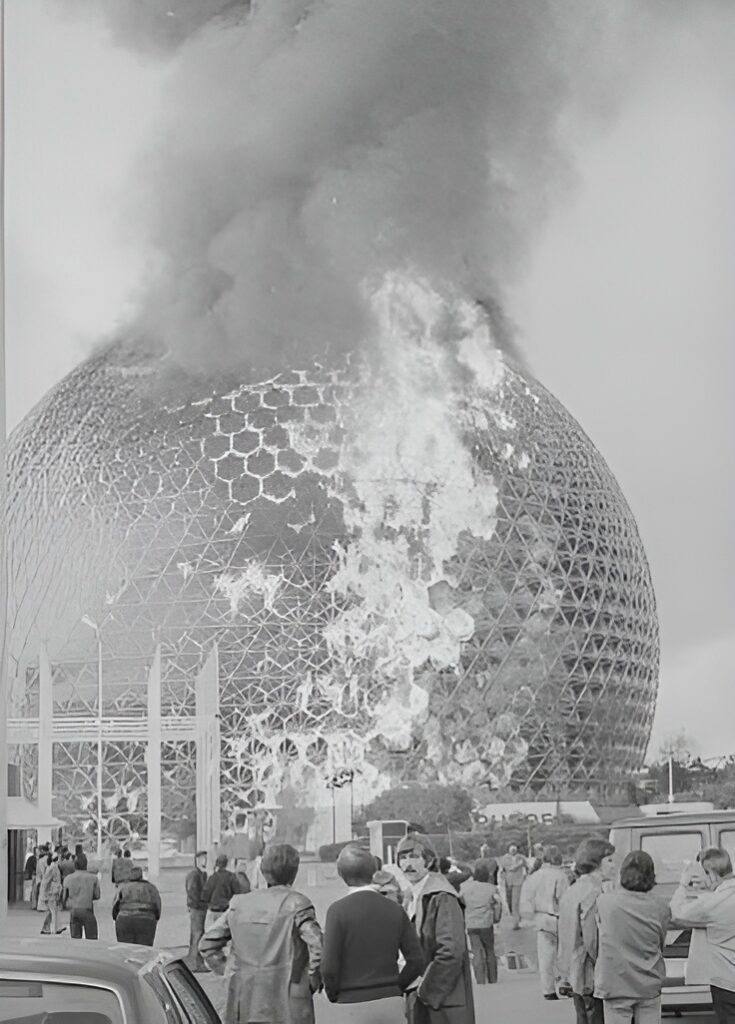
437,883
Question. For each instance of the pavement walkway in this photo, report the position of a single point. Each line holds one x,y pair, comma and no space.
516,998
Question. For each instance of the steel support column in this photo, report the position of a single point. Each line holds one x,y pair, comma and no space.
153,763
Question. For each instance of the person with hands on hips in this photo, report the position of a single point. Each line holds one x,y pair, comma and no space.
443,994
273,970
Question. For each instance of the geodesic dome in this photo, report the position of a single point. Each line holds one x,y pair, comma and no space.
492,621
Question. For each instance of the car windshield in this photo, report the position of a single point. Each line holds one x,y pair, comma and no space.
190,995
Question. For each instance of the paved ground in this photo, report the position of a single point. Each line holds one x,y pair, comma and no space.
514,1000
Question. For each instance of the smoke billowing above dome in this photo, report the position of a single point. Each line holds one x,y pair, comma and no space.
308,149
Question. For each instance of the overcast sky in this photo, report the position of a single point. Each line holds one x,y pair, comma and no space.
627,312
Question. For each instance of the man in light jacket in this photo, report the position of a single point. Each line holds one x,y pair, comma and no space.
715,911
273,969
541,899
578,928
81,889
513,869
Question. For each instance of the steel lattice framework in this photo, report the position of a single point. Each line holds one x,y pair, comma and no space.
193,510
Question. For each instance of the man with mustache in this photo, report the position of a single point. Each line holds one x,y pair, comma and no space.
444,991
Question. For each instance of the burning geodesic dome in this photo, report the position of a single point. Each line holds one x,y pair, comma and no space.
416,566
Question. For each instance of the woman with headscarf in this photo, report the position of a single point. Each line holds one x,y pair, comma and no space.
49,896
444,992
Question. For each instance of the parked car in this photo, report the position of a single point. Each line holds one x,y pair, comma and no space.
56,981
674,840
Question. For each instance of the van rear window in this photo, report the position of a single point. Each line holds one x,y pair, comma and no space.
671,851
727,842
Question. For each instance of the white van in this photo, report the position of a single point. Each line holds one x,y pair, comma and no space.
674,840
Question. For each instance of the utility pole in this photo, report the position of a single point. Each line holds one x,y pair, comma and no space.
4,574
98,636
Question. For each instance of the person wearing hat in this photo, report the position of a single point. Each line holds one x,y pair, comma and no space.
444,991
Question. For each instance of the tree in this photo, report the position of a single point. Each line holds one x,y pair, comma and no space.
679,746
436,808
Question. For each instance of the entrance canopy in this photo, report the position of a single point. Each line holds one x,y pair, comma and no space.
23,815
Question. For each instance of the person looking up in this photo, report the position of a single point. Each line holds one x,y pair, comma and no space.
364,936
713,909
276,946
578,928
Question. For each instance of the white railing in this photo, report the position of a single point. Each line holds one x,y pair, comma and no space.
84,729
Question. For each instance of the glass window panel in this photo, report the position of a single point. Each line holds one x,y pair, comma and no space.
191,996
33,998
727,842
671,851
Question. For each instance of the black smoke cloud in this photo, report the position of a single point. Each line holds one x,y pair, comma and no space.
310,146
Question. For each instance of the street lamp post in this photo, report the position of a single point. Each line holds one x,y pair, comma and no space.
98,634
99,748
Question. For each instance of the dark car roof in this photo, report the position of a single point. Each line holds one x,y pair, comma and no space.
95,960
701,818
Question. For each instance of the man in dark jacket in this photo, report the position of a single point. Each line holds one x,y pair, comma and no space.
219,889
444,994
137,909
29,875
66,864
363,938
197,907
